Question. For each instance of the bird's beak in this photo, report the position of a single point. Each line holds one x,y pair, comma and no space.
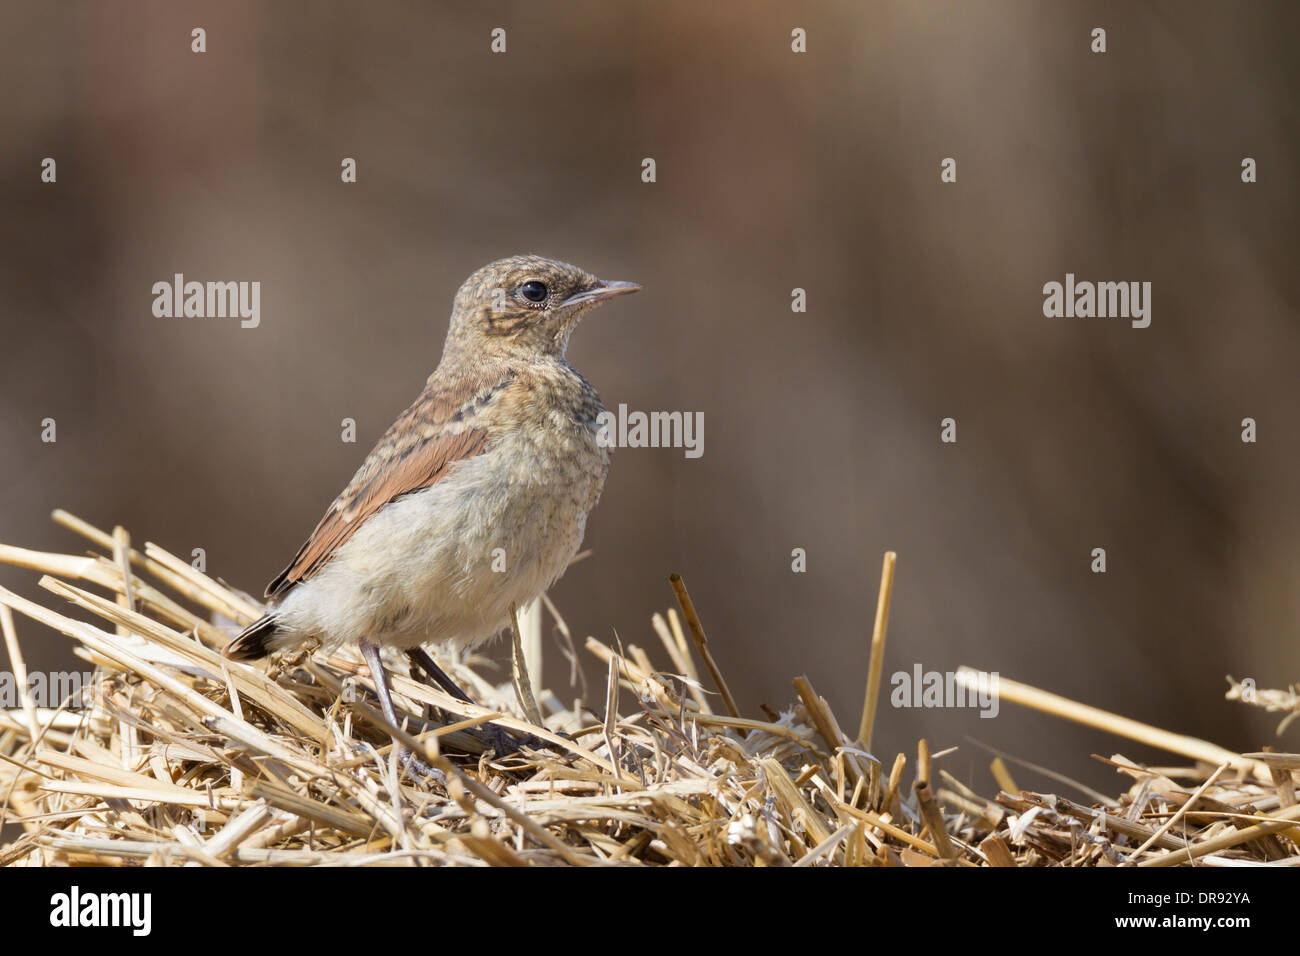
605,290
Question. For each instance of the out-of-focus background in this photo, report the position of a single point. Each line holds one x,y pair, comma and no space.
775,170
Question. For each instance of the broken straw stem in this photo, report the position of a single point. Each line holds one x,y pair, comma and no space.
877,662
519,672
701,642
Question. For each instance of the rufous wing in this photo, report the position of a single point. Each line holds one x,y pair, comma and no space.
445,425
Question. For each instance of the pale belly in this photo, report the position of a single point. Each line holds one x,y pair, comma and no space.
445,563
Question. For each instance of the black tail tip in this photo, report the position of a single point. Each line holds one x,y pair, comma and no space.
253,643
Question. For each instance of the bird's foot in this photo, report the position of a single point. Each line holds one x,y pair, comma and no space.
418,769
506,744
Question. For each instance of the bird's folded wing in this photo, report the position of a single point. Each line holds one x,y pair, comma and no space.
445,425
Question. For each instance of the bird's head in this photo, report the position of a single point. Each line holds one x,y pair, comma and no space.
526,306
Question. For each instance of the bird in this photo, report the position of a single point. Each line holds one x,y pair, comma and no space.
477,496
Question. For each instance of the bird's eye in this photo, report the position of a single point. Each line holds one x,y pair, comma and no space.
534,291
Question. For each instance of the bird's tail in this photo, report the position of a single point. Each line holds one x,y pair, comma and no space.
255,641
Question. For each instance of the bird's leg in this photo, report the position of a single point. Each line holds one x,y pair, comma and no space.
370,651
421,658
421,661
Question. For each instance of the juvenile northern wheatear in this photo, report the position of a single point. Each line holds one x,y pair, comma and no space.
475,498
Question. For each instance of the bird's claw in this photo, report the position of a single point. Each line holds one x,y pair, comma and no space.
418,769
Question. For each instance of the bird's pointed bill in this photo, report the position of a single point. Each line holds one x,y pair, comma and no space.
606,290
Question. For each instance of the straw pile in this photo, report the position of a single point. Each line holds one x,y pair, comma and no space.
177,757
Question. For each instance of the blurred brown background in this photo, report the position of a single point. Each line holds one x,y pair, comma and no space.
775,170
